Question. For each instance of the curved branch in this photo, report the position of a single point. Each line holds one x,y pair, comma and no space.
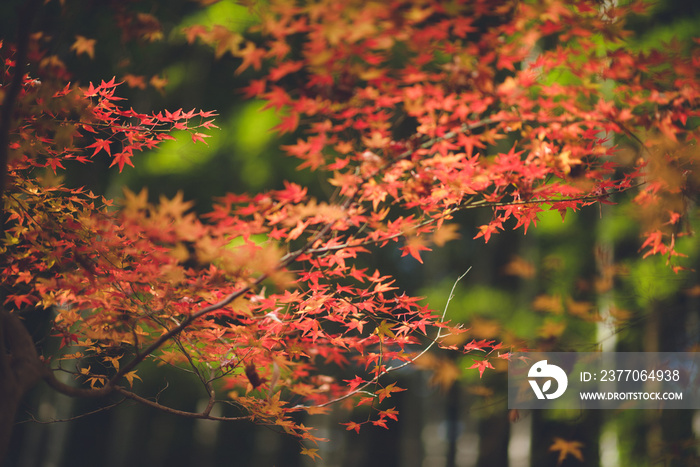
205,415
72,391
107,390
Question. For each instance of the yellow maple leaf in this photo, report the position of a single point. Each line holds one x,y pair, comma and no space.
548,303
312,453
445,233
133,203
130,377
551,329
83,45
113,360
565,448
158,82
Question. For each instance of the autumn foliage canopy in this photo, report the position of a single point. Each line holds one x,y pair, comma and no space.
411,110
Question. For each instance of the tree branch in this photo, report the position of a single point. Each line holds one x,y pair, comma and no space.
205,415
73,391
33,419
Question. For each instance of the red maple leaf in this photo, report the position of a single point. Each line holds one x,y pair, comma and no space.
481,365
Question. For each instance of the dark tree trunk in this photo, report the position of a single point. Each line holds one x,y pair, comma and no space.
20,370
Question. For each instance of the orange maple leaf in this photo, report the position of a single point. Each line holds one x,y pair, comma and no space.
83,45
565,448
312,453
158,83
353,426
134,81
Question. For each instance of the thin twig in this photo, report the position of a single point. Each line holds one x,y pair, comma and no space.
375,379
33,419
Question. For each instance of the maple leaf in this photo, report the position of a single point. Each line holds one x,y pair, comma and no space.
252,56
312,453
655,243
121,159
130,377
83,45
200,137
444,372
255,88
284,69
134,202
158,82
488,229
477,345
352,426
381,422
566,448
445,234
18,300
505,61
354,383
481,365
100,145
54,162
413,247
134,81
386,391
175,207
289,123
551,329
391,413
297,231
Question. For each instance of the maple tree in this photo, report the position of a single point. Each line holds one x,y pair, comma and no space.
412,110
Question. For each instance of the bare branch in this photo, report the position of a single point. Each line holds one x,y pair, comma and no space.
33,419
205,415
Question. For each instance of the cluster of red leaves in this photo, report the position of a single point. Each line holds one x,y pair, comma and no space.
416,110
411,104
55,124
